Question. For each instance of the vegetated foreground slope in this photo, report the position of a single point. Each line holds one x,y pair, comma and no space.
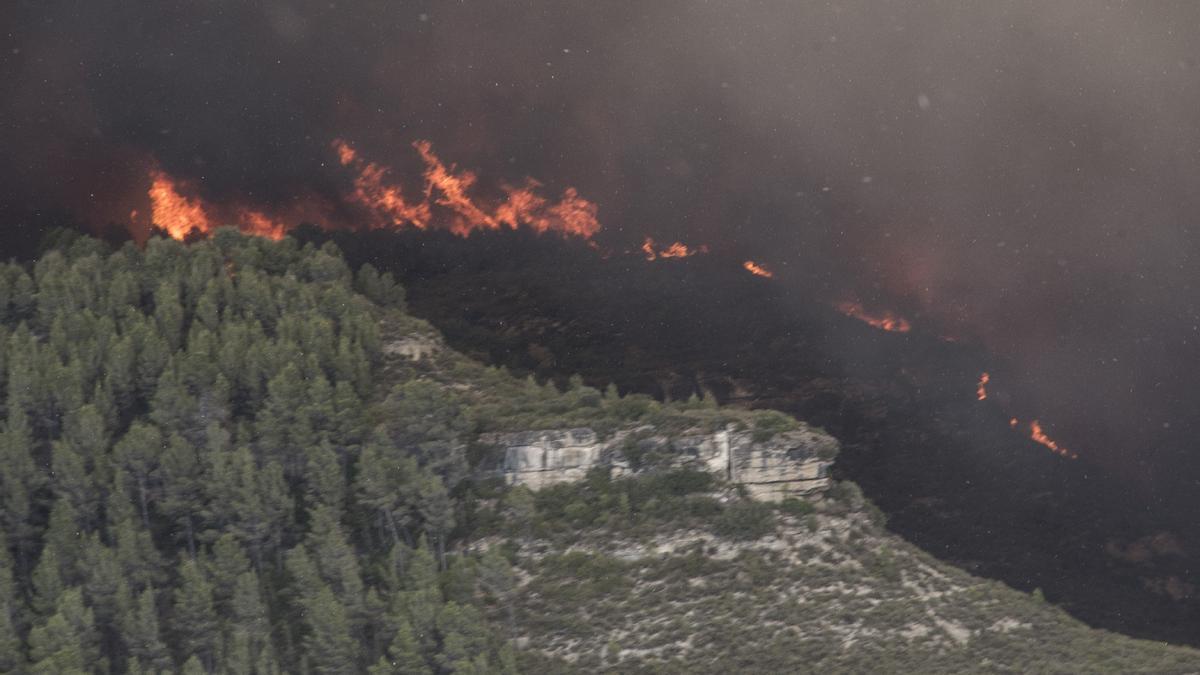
221,457
951,473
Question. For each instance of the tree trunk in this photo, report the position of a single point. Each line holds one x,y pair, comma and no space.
191,537
143,501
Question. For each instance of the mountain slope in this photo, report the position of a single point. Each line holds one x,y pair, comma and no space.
947,468
240,456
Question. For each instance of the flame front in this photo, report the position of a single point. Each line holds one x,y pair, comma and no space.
676,250
180,215
386,202
172,211
446,200
981,389
884,320
451,189
757,269
1039,436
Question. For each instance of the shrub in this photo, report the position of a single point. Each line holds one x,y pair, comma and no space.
796,507
768,423
745,520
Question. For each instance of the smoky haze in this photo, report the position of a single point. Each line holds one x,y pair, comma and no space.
1020,173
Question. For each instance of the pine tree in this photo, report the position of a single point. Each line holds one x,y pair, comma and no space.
387,487
105,589
140,561
403,654
138,454
181,475
260,504
334,557
324,480
226,564
66,538
498,580
11,613
120,371
19,483
437,510
464,637
173,408
153,355
283,427
421,598
249,623
71,480
141,635
168,313
48,584
195,623
329,647
194,666
67,641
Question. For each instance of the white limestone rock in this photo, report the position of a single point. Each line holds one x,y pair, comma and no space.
790,464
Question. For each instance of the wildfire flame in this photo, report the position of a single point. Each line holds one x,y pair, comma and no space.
675,250
451,189
757,270
981,390
387,203
446,189
1037,435
172,211
884,320
180,215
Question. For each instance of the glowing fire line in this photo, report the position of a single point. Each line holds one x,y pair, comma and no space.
180,215
883,320
757,269
446,199
448,188
652,251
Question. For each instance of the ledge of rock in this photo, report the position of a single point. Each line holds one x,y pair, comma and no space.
789,464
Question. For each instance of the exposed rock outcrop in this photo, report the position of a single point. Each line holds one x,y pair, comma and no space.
789,464
415,346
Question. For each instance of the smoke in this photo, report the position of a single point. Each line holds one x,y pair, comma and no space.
1021,172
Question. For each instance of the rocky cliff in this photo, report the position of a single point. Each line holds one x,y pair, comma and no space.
788,464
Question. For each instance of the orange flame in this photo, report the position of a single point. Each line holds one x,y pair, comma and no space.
180,215
387,203
258,223
1039,436
981,390
675,250
883,321
757,269
454,189
446,188
172,211
450,189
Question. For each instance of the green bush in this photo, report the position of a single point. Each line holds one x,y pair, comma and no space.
745,520
768,423
796,507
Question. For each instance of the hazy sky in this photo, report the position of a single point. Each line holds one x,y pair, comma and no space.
1025,171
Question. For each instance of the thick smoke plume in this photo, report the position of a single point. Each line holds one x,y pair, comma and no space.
1021,172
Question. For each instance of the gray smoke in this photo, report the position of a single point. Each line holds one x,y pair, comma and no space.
1022,172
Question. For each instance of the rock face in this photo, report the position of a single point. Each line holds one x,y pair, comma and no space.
415,347
790,464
